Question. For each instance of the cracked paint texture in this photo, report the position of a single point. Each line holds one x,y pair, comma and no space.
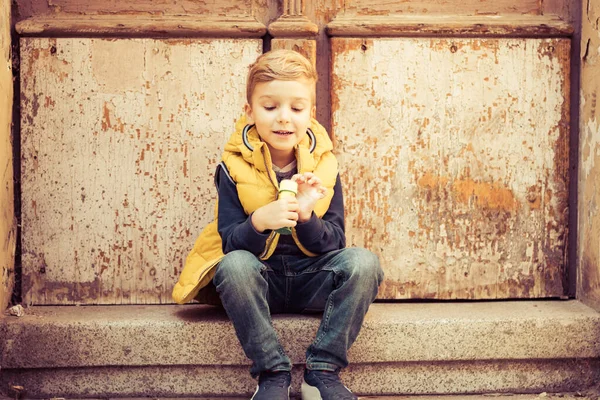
588,252
120,139
454,160
7,220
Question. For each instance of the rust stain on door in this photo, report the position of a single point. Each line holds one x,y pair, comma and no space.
454,157
120,139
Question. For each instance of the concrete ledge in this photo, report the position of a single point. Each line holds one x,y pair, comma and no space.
96,336
375,379
406,348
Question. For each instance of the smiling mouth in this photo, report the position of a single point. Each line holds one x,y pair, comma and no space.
284,133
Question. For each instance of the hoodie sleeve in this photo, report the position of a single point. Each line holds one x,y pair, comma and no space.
234,225
321,235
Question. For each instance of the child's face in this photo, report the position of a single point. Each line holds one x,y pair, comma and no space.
281,111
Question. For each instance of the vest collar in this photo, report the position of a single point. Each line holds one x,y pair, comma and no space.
309,133
246,142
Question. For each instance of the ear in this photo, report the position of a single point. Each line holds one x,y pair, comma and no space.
313,112
248,111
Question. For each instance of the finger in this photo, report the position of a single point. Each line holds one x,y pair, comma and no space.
290,201
289,222
286,201
312,178
308,176
298,178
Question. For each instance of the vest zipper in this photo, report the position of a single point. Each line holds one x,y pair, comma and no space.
298,161
273,233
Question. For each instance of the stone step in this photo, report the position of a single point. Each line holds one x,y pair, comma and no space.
592,395
403,348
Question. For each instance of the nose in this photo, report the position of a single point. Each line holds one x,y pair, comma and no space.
284,115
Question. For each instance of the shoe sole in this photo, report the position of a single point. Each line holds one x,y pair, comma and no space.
309,392
256,391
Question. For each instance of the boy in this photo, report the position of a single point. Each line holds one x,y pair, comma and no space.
256,270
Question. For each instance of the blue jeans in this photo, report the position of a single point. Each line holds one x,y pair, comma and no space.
341,283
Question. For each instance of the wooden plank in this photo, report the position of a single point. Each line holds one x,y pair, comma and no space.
468,7
8,227
450,25
263,11
120,139
588,252
228,8
306,47
125,26
454,158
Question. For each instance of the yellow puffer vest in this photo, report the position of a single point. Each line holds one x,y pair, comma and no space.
248,161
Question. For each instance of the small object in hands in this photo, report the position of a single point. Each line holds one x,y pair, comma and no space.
287,188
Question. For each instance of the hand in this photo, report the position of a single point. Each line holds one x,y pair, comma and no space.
277,214
310,190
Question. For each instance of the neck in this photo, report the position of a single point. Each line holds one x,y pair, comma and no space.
281,160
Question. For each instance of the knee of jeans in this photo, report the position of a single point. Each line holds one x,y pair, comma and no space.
363,264
238,265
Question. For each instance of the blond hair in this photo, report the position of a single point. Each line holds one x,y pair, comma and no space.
285,65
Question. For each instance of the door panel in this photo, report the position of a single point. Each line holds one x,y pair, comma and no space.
454,160
120,139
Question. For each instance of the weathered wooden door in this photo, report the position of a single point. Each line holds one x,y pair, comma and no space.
451,129
454,162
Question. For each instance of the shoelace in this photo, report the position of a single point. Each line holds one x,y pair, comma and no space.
275,379
329,379
332,380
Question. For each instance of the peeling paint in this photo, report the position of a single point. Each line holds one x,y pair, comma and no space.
7,220
590,146
306,47
123,161
588,252
141,7
453,163
474,7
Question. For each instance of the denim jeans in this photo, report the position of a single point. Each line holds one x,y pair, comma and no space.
341,283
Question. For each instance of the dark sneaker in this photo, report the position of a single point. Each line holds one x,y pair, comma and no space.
273,386
324,385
